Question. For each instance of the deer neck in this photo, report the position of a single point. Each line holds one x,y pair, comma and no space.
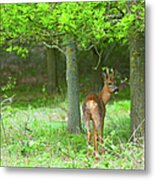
105,95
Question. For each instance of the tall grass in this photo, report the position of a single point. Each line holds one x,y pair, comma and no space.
36,136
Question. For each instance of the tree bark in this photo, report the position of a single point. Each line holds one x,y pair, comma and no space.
137,87
74,121
51,69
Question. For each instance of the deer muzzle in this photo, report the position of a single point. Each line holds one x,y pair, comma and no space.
115,90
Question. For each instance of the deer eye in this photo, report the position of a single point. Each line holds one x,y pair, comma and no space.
110,84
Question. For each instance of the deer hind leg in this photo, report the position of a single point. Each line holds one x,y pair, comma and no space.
88,138
87,118
89,142
95,153
101,138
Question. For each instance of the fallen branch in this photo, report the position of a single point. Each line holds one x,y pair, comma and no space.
134,133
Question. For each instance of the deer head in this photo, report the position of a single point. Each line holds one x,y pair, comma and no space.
109,81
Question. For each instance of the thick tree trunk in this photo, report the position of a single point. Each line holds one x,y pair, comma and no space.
74,122
51,69
137,78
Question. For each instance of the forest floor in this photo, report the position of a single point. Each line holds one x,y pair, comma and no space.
34,134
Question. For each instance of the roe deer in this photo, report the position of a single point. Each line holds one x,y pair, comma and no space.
94,109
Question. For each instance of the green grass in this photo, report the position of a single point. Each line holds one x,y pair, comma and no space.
36,136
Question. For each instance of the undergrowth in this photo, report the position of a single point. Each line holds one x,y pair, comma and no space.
34,134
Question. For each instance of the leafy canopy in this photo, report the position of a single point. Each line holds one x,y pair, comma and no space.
97,23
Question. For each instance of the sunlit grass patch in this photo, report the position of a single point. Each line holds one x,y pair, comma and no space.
117,119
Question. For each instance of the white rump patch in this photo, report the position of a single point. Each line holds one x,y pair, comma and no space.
91,104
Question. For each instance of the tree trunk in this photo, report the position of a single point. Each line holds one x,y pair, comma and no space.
51,69
74,122
137,78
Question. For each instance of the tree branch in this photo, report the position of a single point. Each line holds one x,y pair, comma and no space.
99,59
54,47
88,49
